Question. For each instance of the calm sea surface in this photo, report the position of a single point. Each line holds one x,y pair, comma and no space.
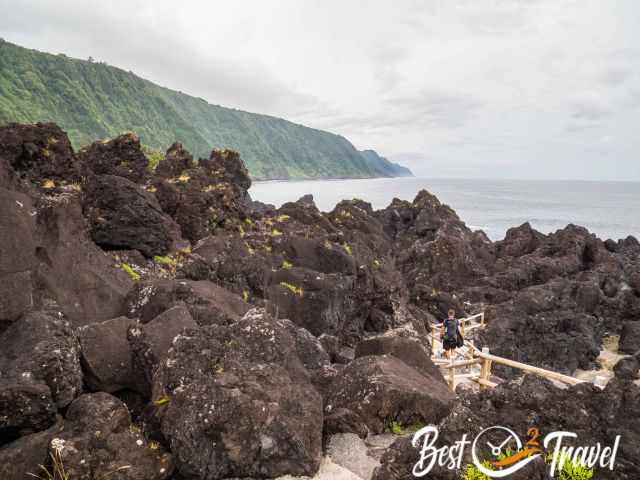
609,209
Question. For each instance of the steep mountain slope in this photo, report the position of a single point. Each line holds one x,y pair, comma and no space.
384,167
93,100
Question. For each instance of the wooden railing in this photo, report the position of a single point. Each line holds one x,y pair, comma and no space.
485,360
488,360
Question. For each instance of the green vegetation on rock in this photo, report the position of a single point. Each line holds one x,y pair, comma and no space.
92,100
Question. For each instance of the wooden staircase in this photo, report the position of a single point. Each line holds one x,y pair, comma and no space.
470,363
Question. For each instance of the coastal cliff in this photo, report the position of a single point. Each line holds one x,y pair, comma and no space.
93,100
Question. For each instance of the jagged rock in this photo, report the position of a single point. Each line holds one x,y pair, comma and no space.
40,153
24,456
42,349
306,213
349,451
230,263
588,297
47,257
400,343
436,251
630,337
313,356
227,165
261,207
249,372
338,353
314,254
72,271
17,254
120,156
321,303
26,407
383,389
16,295
176,160
627,368
560,340
380,288
519,241
98,441
340,282
150,342
307,200
309,349
611,245
206,196
563,253
343,420
124,215
107,356
207,303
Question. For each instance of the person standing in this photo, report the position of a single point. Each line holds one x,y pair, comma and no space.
450,334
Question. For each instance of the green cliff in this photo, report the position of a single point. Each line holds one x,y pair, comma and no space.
93,101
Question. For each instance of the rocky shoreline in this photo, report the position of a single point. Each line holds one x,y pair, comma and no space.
162,325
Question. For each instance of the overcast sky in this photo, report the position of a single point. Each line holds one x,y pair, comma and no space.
451,88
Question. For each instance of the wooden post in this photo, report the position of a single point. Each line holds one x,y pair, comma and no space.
433,340
462,328
485,370
482,319
452,376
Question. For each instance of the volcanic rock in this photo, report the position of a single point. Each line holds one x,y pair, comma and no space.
121,156
41,348
124,215
383,389
99,441
239,402
107,356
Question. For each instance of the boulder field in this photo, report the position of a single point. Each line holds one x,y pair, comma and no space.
159,324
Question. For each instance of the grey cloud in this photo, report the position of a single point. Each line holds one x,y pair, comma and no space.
518,87
615,76
434,108
439,108
158,56
589,107
385,60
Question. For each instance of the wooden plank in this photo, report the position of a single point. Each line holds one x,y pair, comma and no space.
470,376
485,383
474,327
471,346
464,363
530,368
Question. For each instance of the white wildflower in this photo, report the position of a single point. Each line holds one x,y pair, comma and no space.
57,444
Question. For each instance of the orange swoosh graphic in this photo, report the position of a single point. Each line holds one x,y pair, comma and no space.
516,457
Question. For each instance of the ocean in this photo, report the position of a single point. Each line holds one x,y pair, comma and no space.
608,209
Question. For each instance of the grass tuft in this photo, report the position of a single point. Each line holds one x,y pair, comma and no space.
292,288
162,401
165,260
135,276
